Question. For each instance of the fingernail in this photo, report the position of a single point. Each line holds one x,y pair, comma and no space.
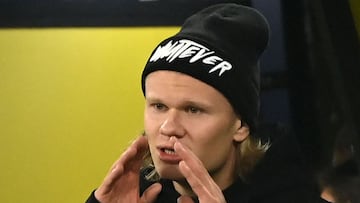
178,146
173,139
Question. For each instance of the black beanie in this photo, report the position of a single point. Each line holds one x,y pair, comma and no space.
220,46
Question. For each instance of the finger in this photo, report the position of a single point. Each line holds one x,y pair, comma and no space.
205,187
129,152
194,167
151,193
131,158
196,174
184,199
135,152
118,167
185,153
198,186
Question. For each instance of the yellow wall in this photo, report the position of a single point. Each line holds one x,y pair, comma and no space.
70,102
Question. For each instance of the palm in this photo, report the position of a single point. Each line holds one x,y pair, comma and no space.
121,185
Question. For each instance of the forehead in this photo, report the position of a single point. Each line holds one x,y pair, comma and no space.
166,84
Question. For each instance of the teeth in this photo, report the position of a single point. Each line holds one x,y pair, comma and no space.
169,151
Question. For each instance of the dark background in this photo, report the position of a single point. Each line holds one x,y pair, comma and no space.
310,72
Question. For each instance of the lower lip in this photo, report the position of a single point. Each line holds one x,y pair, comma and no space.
169,158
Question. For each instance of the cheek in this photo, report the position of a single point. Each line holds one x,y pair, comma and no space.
152,121
151,135
151,131
152,148
213,133
214,154
149,124
212,143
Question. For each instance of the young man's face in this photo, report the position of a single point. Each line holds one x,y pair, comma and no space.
196,114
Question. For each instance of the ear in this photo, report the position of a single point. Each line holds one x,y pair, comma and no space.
242,131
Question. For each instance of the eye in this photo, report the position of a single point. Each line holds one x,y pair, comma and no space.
159,106
193,110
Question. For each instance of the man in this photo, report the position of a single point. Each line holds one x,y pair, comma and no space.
201,88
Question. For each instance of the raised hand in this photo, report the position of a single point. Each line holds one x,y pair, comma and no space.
121,185
198,177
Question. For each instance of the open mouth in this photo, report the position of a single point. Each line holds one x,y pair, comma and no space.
168,155
168,151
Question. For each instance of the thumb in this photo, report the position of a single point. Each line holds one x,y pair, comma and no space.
151,193
184,199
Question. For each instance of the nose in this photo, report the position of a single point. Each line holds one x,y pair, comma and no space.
172,125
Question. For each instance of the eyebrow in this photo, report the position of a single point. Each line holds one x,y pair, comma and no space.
185,102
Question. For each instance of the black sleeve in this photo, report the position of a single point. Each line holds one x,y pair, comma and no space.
92,198
144,184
